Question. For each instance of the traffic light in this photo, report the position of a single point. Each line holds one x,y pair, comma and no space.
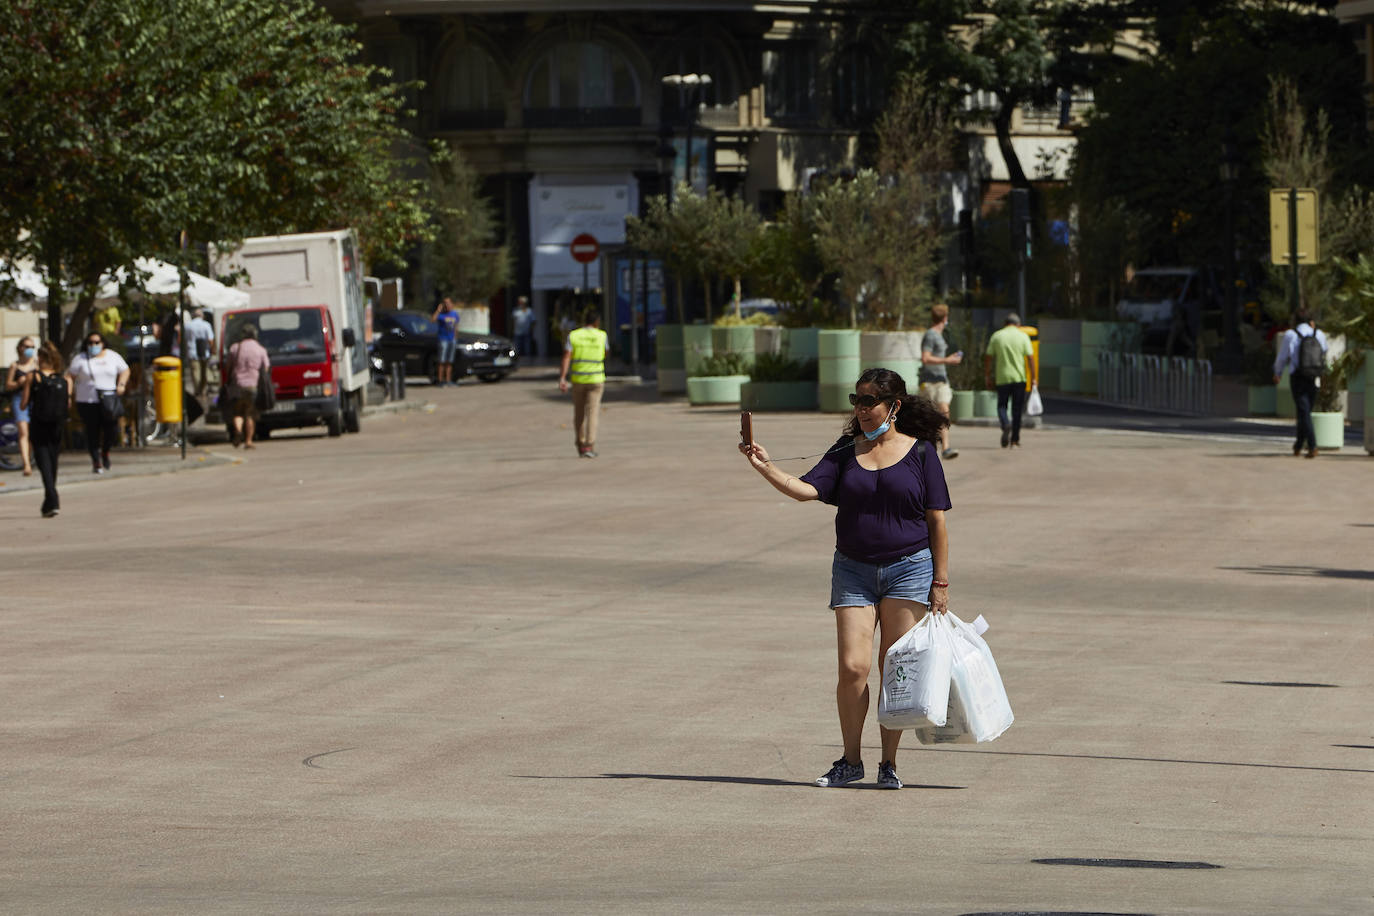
1021,234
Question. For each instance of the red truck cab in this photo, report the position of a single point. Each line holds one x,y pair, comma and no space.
303,346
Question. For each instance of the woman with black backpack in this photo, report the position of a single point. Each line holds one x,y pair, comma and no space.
47,398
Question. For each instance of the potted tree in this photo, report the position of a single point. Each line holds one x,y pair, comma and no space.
778,382
717,379
967,377
1328,412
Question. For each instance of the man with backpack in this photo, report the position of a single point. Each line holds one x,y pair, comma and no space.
1302,353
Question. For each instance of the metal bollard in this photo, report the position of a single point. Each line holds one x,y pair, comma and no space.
398,381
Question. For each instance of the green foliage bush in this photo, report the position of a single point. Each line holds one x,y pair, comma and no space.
722,364
775,367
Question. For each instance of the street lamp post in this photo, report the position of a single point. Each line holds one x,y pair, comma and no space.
1230,320
693,83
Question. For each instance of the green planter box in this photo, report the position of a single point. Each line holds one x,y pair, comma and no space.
899,351
715,389
672,364
961,407
985,404
696,346
835,398
839,364
738,340
1330,429
1262,400
802,343
764,396
1070,379
1283,398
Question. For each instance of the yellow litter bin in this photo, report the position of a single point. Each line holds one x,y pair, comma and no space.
167,388
1032,361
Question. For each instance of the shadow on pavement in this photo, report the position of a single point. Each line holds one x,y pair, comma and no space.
728,780
1303,571
1126,759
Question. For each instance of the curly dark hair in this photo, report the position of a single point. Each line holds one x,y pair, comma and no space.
918,417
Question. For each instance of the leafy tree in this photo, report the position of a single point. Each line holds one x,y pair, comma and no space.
1146,170
880,233
732,240
1296,149
1003,47
466,253
123,127
679,234
787,263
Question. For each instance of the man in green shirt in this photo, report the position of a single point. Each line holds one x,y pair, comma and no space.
1009,351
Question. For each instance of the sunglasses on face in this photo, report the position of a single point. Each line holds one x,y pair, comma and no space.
865,400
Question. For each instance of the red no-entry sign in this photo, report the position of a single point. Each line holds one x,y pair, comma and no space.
584,248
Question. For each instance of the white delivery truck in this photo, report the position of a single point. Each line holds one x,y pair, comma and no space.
305,296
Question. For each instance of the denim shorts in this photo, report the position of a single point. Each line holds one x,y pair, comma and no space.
856,584
447,349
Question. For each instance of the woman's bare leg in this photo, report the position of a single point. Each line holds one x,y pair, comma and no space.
25,449
854,631
896,616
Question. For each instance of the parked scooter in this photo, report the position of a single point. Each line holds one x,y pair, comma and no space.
10,459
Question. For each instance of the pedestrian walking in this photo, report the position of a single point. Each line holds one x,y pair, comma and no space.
933,376
1302,354
245,365
522,320
14,385
891,561
48,400
584,362
447,318
98,376
1007,355
200,339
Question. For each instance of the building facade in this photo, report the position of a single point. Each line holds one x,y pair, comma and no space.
576,112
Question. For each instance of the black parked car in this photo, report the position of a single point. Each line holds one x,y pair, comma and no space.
410,338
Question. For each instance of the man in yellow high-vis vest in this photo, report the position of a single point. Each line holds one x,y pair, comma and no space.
584,361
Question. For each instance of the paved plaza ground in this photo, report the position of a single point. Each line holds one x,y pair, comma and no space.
445,666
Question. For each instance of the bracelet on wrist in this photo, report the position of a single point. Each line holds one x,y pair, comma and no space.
935,584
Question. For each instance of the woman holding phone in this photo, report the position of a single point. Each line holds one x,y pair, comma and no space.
891,560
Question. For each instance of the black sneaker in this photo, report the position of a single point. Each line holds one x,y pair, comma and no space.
842,773
105,460
887,776
1006,436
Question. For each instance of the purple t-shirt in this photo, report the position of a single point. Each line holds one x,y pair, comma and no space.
881,515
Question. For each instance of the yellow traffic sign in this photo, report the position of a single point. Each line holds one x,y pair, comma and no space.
1280,246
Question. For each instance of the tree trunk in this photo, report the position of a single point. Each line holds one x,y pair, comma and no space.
1002,122
681,309
55,300
71,338
706,293
738,291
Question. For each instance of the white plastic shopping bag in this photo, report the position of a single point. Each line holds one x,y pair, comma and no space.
978,708
1034,406
916,676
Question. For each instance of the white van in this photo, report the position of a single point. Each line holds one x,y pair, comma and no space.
292,272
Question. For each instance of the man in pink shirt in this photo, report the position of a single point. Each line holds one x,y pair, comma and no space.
244,365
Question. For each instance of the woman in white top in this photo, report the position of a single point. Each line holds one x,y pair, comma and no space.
97,370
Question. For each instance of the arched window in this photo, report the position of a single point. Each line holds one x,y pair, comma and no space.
470,90
582,83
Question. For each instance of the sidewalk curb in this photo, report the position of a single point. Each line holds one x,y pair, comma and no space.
197,457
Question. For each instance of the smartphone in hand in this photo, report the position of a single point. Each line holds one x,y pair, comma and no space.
746,427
